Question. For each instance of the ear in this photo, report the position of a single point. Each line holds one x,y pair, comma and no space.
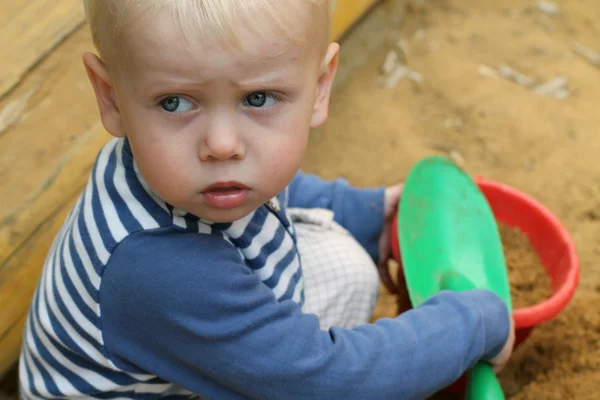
326,77
105,94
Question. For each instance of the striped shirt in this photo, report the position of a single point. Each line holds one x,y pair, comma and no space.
65,354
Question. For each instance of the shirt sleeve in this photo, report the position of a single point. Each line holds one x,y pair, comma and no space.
359,210
185,308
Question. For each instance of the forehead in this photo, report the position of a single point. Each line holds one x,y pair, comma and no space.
160,41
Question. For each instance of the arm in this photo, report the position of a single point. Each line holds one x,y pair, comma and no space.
358,210
184,307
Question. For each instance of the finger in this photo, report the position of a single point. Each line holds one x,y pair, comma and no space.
398,192
392,197
384,256
382,265
386,277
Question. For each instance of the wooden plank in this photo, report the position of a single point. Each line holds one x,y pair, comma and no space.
29,30
35,169
378,29
347,13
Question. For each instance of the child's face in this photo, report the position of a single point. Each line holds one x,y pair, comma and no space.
210,116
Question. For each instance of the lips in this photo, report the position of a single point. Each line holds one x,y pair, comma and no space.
225,187
225,195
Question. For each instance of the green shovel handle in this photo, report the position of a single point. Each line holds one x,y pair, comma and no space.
482,383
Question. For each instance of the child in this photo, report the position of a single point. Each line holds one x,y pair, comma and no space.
199,261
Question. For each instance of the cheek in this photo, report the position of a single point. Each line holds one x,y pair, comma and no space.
165,163
291,146
163,168
281,158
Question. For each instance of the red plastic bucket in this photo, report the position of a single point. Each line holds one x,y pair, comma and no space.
548,237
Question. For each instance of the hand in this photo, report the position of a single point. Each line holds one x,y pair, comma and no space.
499,362
392,197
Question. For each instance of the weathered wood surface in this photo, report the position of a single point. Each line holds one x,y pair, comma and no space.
29,30
347,13
49,137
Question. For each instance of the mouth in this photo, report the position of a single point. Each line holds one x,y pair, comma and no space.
223,187
226,195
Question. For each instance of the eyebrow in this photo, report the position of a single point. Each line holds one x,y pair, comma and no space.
275,79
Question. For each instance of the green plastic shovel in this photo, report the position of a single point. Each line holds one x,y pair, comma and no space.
449,240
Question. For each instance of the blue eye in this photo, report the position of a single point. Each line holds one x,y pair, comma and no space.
176,104
261,100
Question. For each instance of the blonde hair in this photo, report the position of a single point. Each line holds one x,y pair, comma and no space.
216,21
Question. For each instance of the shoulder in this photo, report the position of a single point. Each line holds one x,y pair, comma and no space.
173,246
163,271
167,257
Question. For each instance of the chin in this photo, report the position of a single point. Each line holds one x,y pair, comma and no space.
227,215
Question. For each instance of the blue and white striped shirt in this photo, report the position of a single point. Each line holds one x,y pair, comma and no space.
114,232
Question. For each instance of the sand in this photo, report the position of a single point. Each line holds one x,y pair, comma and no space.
529,282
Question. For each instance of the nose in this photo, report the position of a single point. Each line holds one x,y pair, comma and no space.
221,140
